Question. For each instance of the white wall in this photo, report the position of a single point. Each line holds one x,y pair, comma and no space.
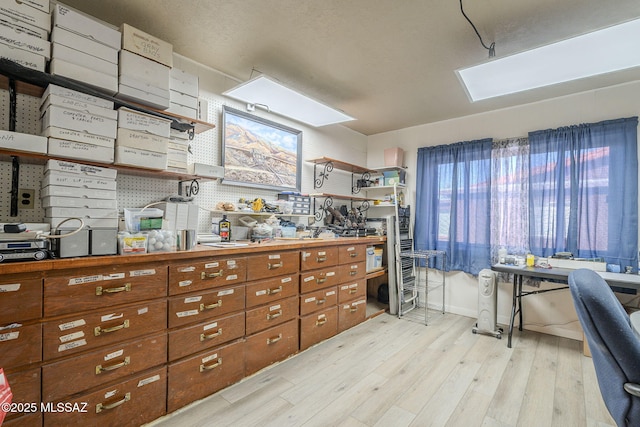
552,312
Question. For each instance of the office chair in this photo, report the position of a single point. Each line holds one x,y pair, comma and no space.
614,347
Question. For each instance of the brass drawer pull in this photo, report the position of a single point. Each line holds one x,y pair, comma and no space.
353,254
321,301
204,307
352,291
101,406
353,273
100,290
204,367
321,322
98,330
274,339
320,280
100,369
274,266
274,291
204,337
204,275
274,315
353,309
321,259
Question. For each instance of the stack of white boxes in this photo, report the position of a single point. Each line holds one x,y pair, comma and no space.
73,190
79,126
24,32
142,139
177,151
84,49
145,66
183,94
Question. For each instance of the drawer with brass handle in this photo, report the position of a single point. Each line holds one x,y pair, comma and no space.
310,259
318,300
209,304
318,326
272,264
271,345
202,275
274,313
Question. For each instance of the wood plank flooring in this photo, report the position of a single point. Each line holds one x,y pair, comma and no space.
399,372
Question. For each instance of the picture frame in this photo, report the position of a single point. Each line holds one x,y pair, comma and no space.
260,153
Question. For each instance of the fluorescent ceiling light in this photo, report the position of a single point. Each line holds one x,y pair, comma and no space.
286,102
604,51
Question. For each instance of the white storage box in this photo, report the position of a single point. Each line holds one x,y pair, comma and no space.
182,99
80,169
22,57
23,12
141,141
75,95
173,164
74,180
144,69
69,212
178,145
80,151
79,202
83,44
25,41
134,120
88,222
140,158
65,53
129,93
74,104
100,81
136,83
67,118
209,171
137,41
86,26
181,110
180,216
42,5
177,156
184,82
73,135
22,26
62,191
23,142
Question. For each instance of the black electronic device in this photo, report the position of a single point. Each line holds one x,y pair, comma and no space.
15,228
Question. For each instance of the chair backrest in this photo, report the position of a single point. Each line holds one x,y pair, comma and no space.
614,347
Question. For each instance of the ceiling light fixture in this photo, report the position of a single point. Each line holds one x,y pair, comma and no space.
279,99
603,51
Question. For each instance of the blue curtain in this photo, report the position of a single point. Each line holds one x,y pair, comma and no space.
583,191
453,202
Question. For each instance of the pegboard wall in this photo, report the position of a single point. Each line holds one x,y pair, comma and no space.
137,191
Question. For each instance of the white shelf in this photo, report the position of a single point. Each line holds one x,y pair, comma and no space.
383,187
250,213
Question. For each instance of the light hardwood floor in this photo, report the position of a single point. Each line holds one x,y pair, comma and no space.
399,372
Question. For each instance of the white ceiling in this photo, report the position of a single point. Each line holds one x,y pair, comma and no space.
389,63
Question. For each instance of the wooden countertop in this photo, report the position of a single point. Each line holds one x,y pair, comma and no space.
199,251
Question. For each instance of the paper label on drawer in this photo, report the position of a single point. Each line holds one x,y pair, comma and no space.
210,358
274,256
311,299
260,293
351,248
96,278
330,273
212,265
354,267
144,310
111,393
192,299
71,345
187,313
330,293
275,307
186,269
113,355
232,277
9,336
185,283
149,380
322,253
286,280
310,278
305,255
355,285
226,292
231,263
139,273
10,288
71,337
322,316
359,302
210,326
70,325
111,316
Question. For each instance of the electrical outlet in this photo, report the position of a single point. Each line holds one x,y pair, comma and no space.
26,198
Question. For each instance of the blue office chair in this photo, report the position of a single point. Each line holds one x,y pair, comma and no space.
614,347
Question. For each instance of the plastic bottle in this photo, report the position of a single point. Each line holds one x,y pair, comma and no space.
224,229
